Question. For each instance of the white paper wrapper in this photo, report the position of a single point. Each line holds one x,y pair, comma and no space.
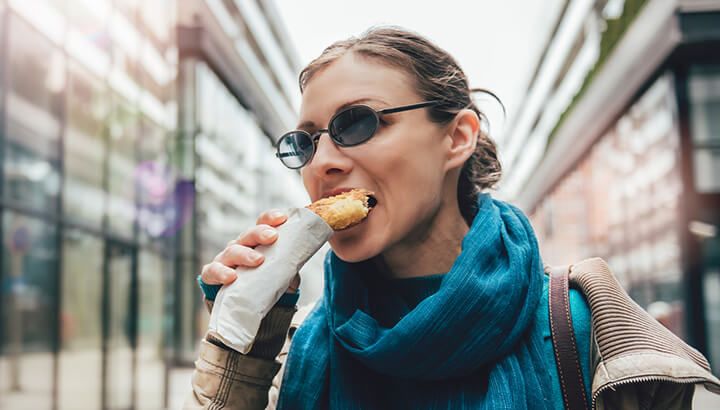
240,307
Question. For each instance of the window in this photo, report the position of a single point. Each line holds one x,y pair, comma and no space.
89,29
84,149
226,195
3,21
155,16
155,183
711,290
150,364
123,129
120,261
36,75
128,8
80,356
704,89
620,202
28,302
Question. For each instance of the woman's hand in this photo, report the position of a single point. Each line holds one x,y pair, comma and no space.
241,252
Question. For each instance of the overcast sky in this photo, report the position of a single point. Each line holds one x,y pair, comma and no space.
497,42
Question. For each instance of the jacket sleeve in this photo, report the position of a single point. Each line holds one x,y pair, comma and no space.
226,379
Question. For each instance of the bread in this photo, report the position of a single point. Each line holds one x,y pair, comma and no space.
344,210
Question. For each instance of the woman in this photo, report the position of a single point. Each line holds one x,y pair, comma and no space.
438,299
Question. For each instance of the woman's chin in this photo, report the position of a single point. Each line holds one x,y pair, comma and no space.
359,242
351,246
351,251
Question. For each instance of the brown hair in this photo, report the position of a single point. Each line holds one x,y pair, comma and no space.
438,77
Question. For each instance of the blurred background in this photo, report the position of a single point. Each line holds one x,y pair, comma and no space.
136,139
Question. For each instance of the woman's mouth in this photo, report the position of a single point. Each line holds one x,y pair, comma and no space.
372,201
346,209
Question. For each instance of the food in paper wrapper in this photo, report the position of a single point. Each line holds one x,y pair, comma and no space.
240,306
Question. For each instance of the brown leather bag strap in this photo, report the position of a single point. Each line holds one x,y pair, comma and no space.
563,338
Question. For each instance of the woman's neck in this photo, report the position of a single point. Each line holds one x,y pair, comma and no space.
431,248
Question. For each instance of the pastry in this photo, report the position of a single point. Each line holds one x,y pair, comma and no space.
344,210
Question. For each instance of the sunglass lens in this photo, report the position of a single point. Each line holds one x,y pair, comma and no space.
295,149
353,126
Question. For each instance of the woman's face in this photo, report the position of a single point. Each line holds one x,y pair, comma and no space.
403,163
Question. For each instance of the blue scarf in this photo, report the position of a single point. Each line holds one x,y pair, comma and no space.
468,345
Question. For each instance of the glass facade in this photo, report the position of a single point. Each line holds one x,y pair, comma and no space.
124,167
35,81
151,328
622,202
84,198
87,103
704,91
646,198
121,163
236,178
704,110
81,333
226,147
711,293
30,289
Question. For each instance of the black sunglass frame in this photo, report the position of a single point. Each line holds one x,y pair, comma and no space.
314,137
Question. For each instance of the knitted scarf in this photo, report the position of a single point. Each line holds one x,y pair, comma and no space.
468,345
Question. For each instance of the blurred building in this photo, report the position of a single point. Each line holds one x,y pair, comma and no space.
616,153
135,142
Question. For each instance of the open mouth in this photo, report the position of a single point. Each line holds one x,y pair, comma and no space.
371,201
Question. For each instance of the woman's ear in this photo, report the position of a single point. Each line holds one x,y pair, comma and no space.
461,138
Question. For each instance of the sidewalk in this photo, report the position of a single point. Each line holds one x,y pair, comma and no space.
180,387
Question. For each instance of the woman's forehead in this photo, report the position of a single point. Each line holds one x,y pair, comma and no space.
351,79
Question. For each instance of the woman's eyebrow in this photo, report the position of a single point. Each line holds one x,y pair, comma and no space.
360,101
306,125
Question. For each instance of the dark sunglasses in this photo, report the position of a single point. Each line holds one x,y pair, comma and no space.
352,126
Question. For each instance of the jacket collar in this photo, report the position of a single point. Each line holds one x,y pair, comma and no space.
630,346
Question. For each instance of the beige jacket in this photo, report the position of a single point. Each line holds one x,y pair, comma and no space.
638,363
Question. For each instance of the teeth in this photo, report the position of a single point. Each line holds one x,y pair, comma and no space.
345,210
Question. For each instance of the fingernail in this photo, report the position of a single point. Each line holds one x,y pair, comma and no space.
276,214
255,256
268,233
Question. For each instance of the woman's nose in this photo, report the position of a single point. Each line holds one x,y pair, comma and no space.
328,158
